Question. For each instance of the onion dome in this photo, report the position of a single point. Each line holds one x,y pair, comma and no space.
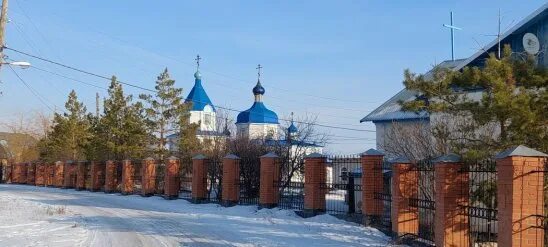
198,95
292,129
258,89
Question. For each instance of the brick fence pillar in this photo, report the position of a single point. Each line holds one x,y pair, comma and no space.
110,176
98,175
148,177
172,179
372,183
199,178
31,173
231,180
451,226
405,219
315,172
520,197
80,175
40,174
9,172
270,172
59,173
50,174
128,171
68,175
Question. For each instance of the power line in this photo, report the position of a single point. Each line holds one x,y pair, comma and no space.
31,89
154,91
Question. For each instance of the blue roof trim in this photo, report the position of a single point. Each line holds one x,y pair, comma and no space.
258,113
198,97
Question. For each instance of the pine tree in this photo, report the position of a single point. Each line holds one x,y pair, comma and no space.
121,127
70,133
514,98
163,111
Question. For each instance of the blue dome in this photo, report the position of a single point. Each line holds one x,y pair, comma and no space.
258,113
292,128
258,89
198,95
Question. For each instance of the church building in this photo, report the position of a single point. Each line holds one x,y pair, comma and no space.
258,122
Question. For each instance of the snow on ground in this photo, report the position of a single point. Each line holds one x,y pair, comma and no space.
37,216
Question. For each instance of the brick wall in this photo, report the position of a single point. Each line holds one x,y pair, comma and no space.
199,178
110,176
172,178
270,171
451,226
314,186
59,173
371,182
31,173
231,180
405,219
40,174
148,177
128,171
80,175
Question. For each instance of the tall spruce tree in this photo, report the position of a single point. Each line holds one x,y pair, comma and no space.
122,127
70,133
163,111
514,98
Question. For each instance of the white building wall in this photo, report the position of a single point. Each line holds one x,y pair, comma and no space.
256,130
207,118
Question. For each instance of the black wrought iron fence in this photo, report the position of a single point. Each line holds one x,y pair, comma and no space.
214,180
343,190
481,208
424,202
249,181
160,177
137,176
382,198
185,174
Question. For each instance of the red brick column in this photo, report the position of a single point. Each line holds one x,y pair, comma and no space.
31,173
98,175
520,197
270,173
128,171
231,180
9,172
314,184
40,174
59,173
172,178
199,178
110,176
68,175
80,175
20,173
50,174
372,183
405,219
451,226
149,177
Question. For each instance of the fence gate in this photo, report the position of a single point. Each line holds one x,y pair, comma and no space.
137,176
160,177
382,199
250,179
343,187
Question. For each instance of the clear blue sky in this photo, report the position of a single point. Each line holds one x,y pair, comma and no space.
312,51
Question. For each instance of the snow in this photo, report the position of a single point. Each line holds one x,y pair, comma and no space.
38,216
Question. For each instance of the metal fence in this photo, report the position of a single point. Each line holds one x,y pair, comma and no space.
424,202
481,209
382,199
214,180
186,179
343,187
249,181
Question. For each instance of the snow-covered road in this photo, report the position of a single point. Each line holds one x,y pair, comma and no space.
37,216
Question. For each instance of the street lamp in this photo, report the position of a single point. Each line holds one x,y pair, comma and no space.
23,65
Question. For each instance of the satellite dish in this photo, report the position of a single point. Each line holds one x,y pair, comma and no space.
531,43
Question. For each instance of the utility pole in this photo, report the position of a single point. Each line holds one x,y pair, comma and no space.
97,105
3,21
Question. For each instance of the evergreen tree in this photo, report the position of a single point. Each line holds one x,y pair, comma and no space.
122,128
163,111
70,133
514,98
